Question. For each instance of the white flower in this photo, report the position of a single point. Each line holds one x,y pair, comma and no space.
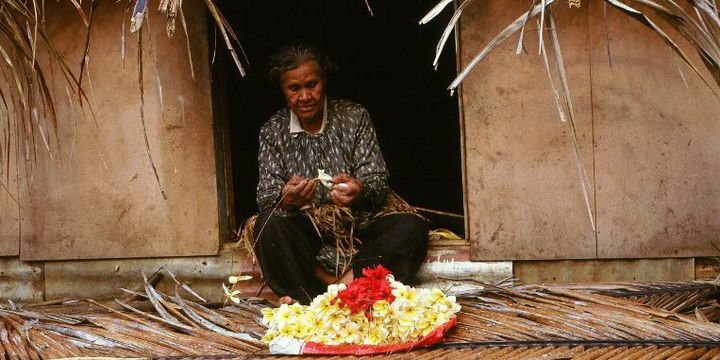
232,295
238,278
325,179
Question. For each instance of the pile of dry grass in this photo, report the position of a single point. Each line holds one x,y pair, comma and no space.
335,225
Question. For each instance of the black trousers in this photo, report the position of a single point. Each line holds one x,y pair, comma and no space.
287,247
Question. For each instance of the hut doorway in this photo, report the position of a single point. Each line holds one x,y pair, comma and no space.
385,63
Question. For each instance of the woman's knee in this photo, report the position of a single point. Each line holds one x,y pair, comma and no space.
413,228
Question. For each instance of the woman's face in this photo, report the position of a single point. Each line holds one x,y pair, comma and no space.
304,90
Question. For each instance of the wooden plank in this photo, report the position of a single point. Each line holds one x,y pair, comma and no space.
10,223
657,154
592,271
20,281
11,196
462,275
100,197
707,268
10,201
524,197
102,279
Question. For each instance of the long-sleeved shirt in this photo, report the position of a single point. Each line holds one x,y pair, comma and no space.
346,144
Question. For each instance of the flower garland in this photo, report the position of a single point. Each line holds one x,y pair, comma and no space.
372,310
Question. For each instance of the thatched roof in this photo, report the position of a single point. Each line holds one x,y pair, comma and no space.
27,97
583,321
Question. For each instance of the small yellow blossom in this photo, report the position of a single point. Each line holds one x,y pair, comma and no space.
232,295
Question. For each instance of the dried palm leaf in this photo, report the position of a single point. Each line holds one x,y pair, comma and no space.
251,338
142,115
448,30
585,184
155,298
673,15
225,29
435,11
185,286
138,15
187,39
509,30
682,297
367,4
170,8
86,52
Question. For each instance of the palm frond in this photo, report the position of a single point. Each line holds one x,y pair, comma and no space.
571,321
26,94
704,34
566,111
677,297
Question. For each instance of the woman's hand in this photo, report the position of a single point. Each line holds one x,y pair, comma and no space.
346,190
298,192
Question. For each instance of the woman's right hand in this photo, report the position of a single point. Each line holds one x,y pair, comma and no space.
297,192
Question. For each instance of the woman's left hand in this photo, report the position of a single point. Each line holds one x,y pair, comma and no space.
346,190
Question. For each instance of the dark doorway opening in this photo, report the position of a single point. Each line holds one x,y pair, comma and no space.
385,64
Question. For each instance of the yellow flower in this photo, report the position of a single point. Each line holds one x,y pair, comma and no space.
283,316
412,295
381,309
321,338
318,322
335,320
268,316
296,309
436,295
429,322
270,335
376,335
400,290
320,304
349,333
301,329
408,316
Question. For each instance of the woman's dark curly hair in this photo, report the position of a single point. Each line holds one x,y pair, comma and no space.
291,56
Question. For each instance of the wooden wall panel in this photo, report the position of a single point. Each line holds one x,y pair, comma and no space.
523,195
10,163
595,271
103,279
657,148
21,281
10,195
9,221
99,197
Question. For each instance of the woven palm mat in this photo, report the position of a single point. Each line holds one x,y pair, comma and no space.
581,321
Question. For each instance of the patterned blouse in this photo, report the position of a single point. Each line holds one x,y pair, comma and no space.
346,144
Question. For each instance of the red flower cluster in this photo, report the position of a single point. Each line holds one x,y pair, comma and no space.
363,292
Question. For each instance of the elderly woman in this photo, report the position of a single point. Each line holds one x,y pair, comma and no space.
314,132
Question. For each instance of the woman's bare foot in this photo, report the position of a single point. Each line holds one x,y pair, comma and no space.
324,276
286,300
347,277
328,278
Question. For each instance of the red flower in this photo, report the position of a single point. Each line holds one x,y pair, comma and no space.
363,292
